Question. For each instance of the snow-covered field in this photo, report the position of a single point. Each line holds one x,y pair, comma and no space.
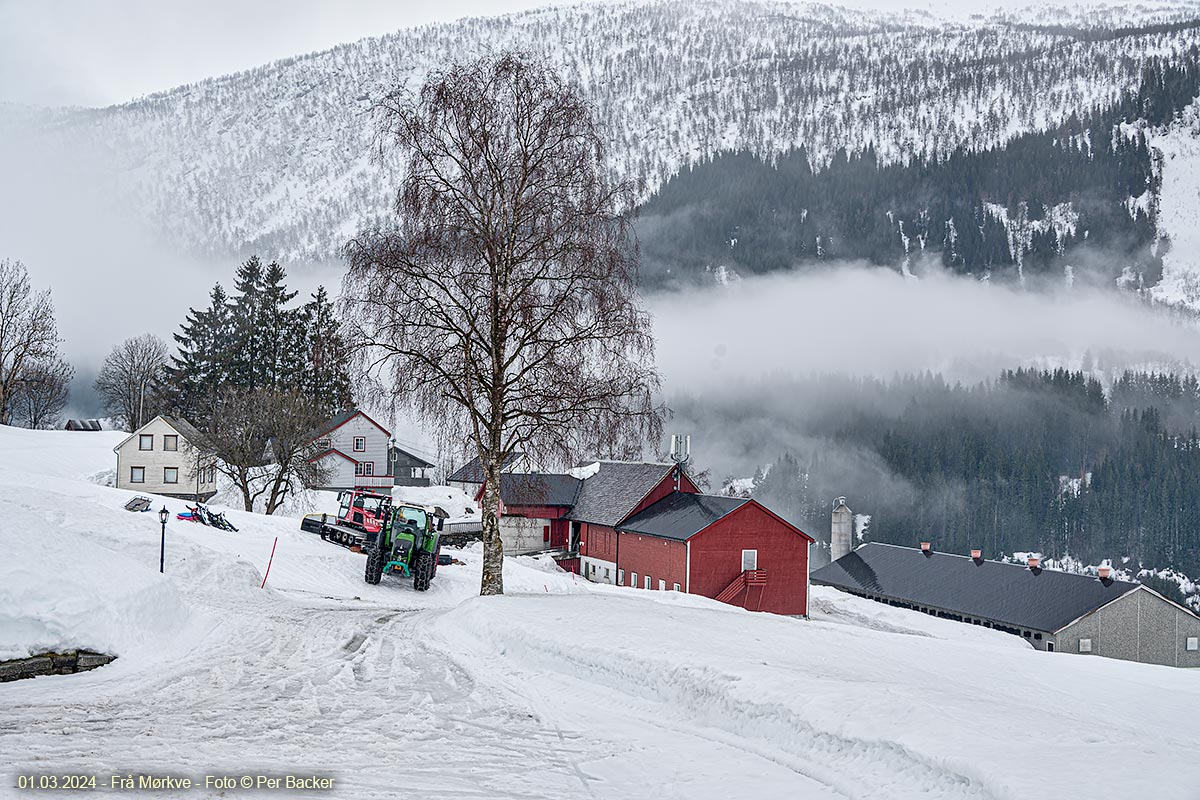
559,689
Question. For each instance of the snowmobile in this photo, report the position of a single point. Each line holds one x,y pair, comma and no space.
205,516
408,542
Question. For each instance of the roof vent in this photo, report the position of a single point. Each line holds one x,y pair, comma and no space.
927,549
1105,574
977,556
1034,561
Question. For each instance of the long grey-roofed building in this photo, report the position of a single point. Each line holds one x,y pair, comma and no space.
1052,610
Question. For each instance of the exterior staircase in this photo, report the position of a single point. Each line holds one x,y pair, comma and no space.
749,582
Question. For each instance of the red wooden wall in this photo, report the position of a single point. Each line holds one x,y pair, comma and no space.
717,558
661,559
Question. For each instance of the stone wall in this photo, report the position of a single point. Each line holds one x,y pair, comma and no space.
52,664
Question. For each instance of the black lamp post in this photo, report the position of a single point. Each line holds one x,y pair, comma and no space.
162,550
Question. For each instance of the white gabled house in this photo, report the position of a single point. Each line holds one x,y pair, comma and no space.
354,449
163,457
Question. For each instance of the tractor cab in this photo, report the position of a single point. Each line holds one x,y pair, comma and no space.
366,511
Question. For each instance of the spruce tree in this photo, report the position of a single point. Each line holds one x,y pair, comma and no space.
204,361
248,368
326,378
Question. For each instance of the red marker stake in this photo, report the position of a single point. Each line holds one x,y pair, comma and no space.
269,560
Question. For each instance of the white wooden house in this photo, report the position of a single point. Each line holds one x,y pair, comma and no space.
354,450
162,457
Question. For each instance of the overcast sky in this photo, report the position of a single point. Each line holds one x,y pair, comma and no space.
98,52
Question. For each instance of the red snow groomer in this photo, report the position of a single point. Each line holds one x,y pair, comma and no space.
360,516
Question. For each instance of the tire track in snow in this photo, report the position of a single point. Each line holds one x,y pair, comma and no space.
701,703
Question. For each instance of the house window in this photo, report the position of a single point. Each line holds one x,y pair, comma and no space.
137,474
1085,645
620,577
749,559
170,442
1193,643
170,474
633,579
662,585
607,574
1049,647
146,441
676,587
360,444
648,582
364,468
324,444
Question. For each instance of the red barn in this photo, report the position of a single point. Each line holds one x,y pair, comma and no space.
647,525
533,510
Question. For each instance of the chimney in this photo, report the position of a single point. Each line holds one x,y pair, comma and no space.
841,532
1033,565
1105,575
977,557
927,549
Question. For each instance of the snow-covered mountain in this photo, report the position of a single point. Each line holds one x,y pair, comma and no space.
277,159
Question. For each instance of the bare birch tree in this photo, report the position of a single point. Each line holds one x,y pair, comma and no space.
129,381
502,306
28,331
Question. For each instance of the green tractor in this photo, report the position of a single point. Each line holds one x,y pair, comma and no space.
408,543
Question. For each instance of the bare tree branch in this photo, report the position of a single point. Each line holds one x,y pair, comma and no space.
502,306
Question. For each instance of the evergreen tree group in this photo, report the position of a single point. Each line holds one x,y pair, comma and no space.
1072,197
256,340
1045,461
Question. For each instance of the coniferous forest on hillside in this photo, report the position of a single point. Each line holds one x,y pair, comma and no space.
1031,461
1071,197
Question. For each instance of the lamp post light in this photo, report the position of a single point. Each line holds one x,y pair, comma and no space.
162,550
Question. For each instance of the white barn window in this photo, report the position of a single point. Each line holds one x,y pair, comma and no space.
649,583
1193,643
1085,645
620,577
676,588
749,559
633,579
662,585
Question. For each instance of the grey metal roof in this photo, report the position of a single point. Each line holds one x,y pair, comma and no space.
83,425
185,428
1008,593
608,496
472,471
538,489
681,515
400,457
339,419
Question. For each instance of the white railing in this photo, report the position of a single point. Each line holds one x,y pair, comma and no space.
373,481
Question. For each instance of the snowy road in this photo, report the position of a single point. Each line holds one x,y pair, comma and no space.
561,689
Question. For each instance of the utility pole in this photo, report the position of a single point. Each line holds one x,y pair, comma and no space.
142,407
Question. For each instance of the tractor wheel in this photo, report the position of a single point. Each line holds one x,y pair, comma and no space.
374,566
423,571
433,569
